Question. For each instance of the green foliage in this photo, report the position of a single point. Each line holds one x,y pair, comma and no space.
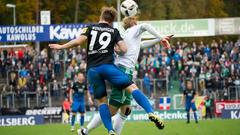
63,11
154,9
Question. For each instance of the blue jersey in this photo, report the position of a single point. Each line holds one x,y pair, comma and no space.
78,91
189,95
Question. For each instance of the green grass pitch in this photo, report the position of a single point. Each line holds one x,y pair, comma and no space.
174,127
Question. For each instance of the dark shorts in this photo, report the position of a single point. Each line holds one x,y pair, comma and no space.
190,105
78,107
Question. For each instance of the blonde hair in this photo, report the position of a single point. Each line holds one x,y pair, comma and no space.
128,22
108,14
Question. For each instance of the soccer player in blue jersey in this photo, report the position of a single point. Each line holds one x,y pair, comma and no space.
101,39
189,99
77,99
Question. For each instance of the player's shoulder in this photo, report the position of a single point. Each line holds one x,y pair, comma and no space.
142,25
138,29
135,27
85,30
116,30
184,91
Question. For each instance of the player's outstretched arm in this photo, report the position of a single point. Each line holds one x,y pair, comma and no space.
150,43
163,40
75,42
150,29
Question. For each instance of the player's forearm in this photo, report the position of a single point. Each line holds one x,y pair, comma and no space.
149,43
89,96
75,42
194,98
70,44
152,31
183,99
70,95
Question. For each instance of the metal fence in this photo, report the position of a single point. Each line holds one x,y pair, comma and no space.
233,93
10,99
25,99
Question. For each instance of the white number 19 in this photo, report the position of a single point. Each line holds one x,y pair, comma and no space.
102,42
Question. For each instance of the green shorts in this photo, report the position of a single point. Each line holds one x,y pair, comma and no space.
120,97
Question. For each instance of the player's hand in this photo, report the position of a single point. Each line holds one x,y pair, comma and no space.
192,101
169,37
165,41
55,46
117,50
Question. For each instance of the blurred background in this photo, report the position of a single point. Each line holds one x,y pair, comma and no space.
205,51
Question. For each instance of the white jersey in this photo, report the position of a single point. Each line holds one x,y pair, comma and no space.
132,38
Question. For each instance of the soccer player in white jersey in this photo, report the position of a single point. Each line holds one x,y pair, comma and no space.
121,99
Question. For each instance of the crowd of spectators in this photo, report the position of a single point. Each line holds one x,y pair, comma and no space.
26,70
213,66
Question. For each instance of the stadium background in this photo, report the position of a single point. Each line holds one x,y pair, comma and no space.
34,79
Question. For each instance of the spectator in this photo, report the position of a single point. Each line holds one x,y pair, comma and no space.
147,85
44,72
56,88
57,66
13,81
66,110
44,96
208,105
22,82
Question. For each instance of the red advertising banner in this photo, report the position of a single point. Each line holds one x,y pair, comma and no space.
226,105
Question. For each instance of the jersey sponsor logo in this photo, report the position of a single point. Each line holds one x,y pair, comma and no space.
20,120
98,51
80,90
84,30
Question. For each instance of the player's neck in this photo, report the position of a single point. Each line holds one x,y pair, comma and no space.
80,81
102,21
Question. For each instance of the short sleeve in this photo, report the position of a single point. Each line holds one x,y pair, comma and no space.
85,31
184,92
73,86
194,93
118,36
85,87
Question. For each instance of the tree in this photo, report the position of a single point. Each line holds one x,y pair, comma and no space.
215,8
152,9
